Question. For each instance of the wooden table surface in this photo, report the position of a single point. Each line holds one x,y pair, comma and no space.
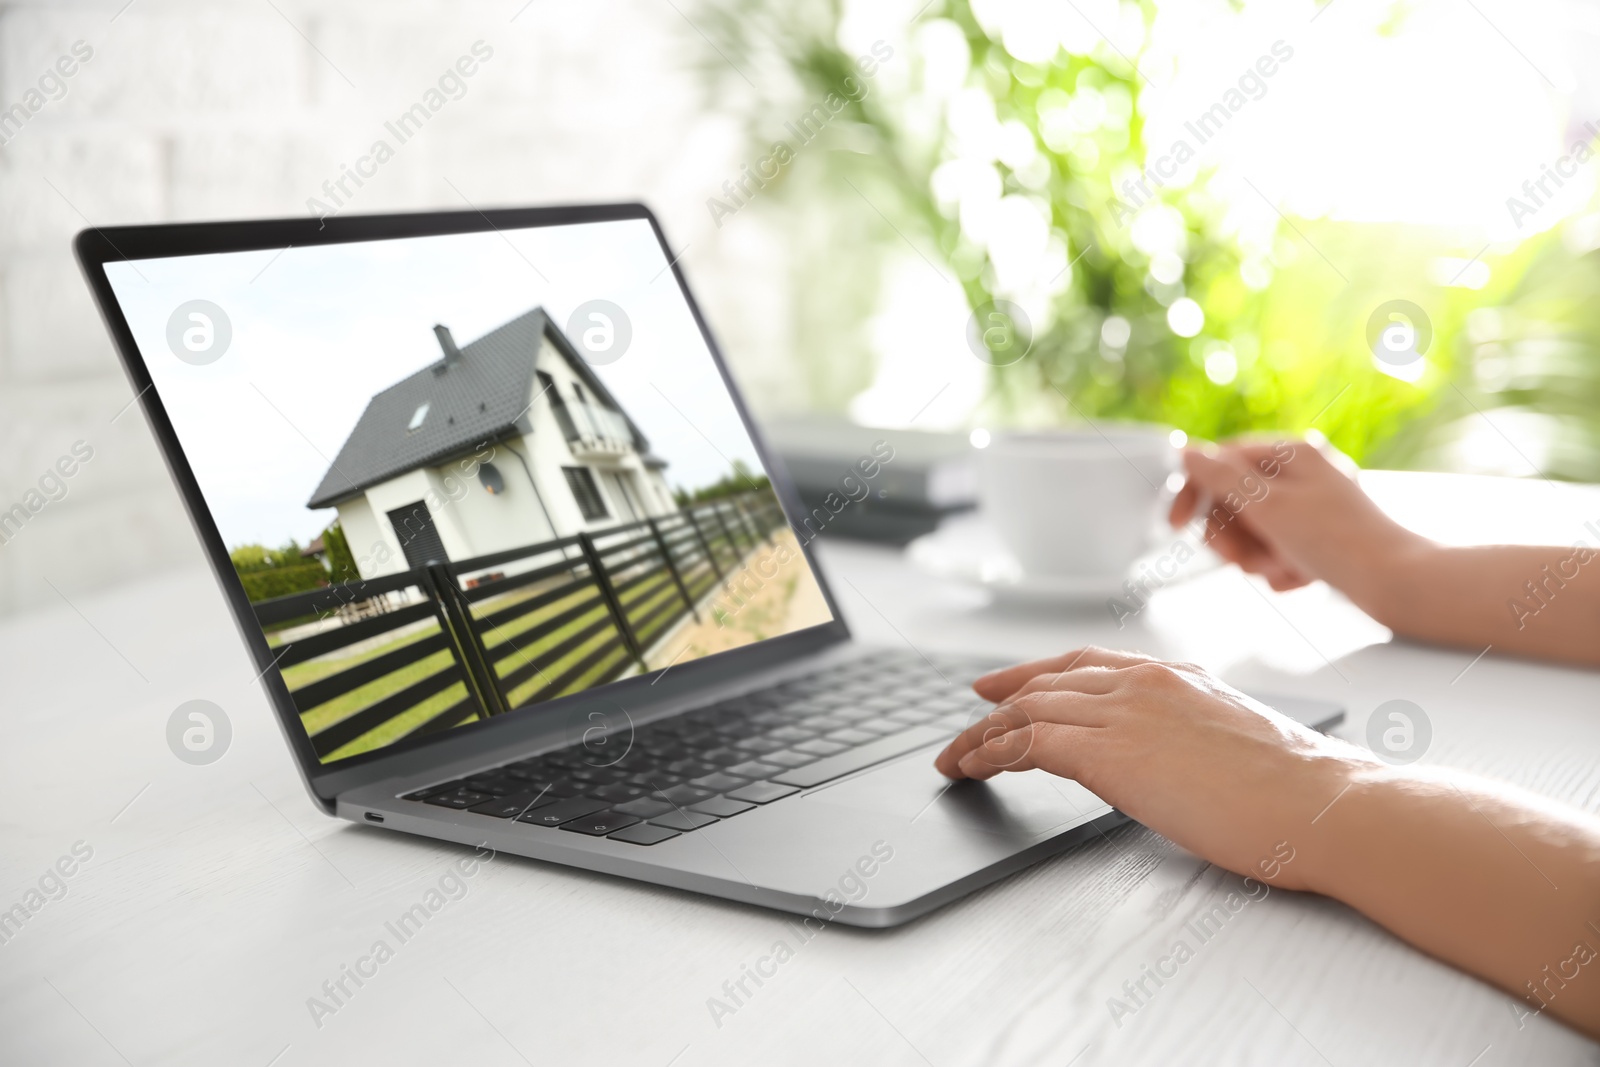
216,901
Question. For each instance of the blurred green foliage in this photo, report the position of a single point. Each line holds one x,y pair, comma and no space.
341,561
270,572
740,480
1286,308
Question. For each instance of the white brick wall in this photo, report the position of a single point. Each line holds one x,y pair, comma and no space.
193,110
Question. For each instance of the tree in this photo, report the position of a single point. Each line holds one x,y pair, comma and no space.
341,561
1151,301
741,480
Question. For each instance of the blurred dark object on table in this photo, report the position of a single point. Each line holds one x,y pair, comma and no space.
919,477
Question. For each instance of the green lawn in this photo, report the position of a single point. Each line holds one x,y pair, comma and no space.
332,711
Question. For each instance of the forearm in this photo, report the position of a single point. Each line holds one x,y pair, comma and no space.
1535,601
1490,879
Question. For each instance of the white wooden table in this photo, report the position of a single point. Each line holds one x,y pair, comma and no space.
217,900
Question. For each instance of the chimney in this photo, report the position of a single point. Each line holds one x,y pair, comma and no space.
452,354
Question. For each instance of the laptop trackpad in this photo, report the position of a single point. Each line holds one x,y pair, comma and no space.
1022,804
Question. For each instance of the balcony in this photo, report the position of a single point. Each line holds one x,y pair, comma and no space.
594,432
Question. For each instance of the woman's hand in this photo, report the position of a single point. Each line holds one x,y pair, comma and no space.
1199,762
1494,880
1286,511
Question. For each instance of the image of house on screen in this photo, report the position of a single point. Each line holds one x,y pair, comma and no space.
505,442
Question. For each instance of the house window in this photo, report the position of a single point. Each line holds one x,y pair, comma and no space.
584,490
630,493
558,406
417,417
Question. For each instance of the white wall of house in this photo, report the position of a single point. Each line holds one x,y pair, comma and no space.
371,541
484,522
656,482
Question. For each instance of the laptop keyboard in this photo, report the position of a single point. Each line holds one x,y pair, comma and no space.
688,771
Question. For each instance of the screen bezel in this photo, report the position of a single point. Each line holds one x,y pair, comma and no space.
95,247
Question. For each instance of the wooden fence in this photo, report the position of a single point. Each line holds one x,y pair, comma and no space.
477,637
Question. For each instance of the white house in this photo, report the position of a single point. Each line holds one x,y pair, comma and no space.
504,442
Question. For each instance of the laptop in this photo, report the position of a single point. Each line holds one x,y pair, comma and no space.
518,571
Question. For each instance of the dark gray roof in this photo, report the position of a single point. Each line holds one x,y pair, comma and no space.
481,397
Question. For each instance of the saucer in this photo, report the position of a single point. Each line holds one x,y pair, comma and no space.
967,549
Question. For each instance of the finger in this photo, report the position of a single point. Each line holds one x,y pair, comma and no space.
1214,478
1328,452
1278,574
1254,451
1234,542
1184,504
1263,454
1059,748
1205,479
1237,453
1238,545
1066,705
1229,531
1095,679
1216,472
1285,578
998,685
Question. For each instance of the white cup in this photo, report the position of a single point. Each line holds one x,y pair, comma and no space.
1079,503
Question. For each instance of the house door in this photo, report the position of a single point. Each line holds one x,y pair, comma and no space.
419,538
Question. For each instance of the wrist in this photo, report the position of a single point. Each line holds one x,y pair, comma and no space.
1388,572
1338,853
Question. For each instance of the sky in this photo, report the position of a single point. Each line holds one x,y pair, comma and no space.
317,331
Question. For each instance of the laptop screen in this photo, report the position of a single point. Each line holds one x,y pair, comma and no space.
463,475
